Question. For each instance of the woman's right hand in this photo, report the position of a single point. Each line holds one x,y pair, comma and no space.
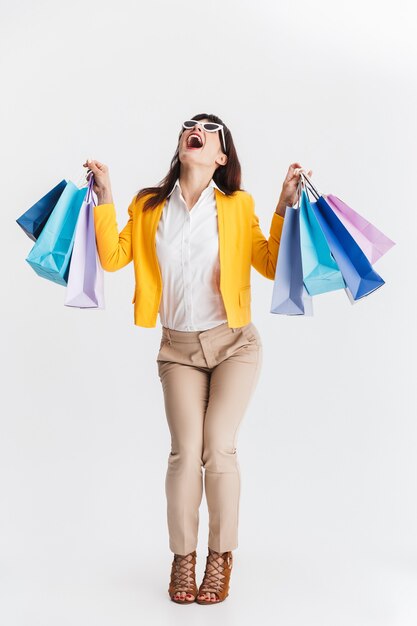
102,185
290,190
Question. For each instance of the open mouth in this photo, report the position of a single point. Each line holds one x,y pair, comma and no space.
194,141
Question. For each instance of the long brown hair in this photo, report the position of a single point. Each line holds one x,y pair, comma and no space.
227,177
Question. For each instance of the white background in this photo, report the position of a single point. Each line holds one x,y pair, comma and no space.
328,447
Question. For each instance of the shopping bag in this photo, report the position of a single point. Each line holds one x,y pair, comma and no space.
371,240
360,277
289,295
35,218
85,287
320,270
50,256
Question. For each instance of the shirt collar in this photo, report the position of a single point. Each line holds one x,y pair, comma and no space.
211,184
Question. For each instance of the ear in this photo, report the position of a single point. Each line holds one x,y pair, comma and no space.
222,159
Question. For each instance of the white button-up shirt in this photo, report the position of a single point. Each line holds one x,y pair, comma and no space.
187,247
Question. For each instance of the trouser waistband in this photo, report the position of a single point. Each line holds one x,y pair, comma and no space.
194,335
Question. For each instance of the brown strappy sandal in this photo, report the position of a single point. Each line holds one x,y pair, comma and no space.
183,577
216,577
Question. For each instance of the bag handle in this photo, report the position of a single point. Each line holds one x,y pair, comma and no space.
313,189
90,194
304,182
83,180
87,181
302,185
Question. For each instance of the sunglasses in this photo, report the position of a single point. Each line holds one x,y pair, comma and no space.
210,127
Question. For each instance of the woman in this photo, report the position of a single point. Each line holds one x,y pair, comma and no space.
193,239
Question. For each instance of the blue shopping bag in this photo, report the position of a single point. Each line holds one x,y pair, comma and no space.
51,254
360,277
320,270
35,218
289,295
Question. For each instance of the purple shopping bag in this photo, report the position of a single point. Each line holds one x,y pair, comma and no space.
371,240
85,287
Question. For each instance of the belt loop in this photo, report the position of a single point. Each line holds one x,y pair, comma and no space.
169,336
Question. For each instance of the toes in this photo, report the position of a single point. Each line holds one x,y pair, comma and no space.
210,597
182,595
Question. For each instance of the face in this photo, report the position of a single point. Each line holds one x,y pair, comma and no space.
210,153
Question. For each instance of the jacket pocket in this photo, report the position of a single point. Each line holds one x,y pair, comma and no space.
245,296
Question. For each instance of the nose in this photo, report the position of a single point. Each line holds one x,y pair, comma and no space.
196,129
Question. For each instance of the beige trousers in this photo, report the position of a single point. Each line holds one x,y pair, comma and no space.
208,378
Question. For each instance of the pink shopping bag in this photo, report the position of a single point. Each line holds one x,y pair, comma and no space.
372,241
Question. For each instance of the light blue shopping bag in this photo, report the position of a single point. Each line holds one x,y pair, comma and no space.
289,295
51,254
321,273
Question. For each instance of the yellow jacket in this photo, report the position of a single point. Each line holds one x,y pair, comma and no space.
241,244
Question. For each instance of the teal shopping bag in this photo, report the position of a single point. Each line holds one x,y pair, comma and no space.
50,256
321,273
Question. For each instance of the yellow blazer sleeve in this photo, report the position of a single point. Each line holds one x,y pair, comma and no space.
265,251
114,249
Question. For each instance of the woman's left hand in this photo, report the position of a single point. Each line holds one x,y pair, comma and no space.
289,194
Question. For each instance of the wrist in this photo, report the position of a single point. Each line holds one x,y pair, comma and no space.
280,208
105,198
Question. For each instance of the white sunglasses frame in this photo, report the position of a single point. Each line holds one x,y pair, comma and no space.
220,127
